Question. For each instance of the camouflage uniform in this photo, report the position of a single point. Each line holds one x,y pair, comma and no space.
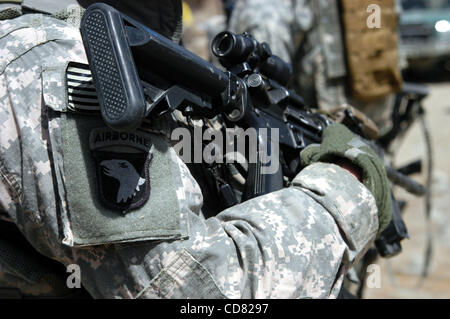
294,243
307,33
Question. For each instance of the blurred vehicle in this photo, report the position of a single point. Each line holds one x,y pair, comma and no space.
425,33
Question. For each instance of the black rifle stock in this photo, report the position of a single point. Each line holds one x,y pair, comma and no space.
115,44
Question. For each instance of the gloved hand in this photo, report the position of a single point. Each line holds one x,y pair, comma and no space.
338,142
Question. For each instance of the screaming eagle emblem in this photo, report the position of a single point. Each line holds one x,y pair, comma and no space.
125,173
122,161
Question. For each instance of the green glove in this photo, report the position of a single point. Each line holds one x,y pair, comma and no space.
339,142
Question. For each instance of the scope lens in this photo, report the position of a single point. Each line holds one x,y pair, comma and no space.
223,44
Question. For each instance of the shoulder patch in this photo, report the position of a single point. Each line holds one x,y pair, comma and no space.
122,162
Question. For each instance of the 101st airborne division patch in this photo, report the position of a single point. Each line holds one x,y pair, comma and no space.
122,163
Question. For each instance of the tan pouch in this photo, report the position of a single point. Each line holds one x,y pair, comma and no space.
372,53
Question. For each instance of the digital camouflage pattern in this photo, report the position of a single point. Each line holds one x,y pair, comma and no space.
294,243
307,34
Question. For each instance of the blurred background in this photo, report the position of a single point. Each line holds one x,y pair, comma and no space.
425,35
425,43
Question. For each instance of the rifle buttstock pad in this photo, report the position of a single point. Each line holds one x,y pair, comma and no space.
113,70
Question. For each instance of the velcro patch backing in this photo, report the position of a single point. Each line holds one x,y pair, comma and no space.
102,167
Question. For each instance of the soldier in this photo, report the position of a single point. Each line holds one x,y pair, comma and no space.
350,63
124,210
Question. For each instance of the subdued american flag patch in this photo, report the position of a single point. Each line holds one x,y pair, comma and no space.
80,89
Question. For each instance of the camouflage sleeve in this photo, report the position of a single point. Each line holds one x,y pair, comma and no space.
294,243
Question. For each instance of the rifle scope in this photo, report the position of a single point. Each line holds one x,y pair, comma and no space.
234,49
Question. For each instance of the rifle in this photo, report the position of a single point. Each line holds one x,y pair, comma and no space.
140,74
